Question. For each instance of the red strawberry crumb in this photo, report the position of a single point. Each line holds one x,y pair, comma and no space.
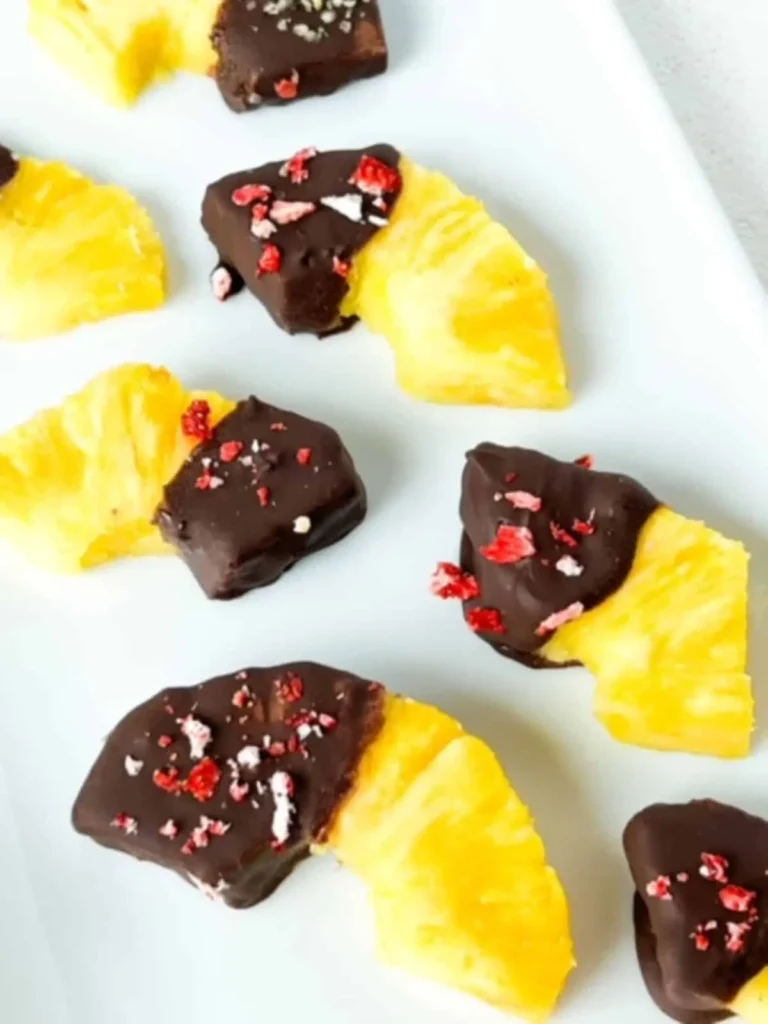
304,456
260,212
558,619
164,741
288,88
510,478
126,823
293,743
216,827
247,194
284,212
230,450
485,620
276,749
296,167
202,781
208,482
701,941
714,867
586,529
562,536
682,876
660,888
270,261
279,428
170,829
238,791
263,494
327,721
449,581
290,689
733,897
167,780
586,461
512,544
241,697
736,936
522,499
374,177
196,421
189,848
341,267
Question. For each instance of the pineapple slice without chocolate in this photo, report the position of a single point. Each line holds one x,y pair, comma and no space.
79,484
458,876
72,252
467,311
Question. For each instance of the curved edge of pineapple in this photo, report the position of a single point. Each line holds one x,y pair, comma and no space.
117,442
669,649
427,800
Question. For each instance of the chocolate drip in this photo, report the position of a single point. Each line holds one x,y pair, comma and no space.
305,293
581,528
310,722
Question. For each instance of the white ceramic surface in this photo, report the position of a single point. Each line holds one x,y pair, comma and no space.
546,111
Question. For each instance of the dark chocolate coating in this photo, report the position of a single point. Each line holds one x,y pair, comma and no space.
305,295
9,166
692,985
261,43
531,590
243,866
230,540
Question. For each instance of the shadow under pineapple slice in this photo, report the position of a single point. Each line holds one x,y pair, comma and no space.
80,483
72,252
326,238
563,565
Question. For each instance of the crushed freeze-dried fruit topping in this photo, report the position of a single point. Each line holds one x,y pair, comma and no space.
284,212
170,829
562,536
558,619
132,765
296,168
568,566
279,428
485,620
196,421
282,788
733,897
450,581
241,697
276,749
198,733
586,529
167,779
125,822
164,741
270,260
701,940
260,212
208,482
714,867
288,88
586,461
263,494
341,267
512,544
522,499
290,689
230,450
238,791
736,936
374,177
304,456
202,781
660,888
682,876
247,194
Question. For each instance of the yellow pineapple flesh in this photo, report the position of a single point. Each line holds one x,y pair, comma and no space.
468,313
669,648
72,252
751,1004
457,874
79,484
119,49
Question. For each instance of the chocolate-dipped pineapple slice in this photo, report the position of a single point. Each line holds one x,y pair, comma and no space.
561,564
700,909
326,238
71,251
233,782
259,51
134,464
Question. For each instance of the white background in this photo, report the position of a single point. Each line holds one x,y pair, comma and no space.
555,123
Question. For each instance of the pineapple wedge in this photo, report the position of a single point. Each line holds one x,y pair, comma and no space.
118,50
669,648
72,252
467,311
79,484
457,873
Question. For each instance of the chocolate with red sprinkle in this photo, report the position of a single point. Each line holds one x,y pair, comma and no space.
231,510
295,246
699,941
525,560
204,825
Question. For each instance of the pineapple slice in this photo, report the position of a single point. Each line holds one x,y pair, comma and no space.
458,876
669,648
751,1004
72,252
467,311
79,484
119,49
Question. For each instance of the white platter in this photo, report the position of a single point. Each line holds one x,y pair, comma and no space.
545,111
